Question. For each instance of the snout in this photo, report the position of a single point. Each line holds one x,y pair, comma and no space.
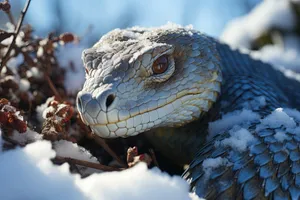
105,99
96,111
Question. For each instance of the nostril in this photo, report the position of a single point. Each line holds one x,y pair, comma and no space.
110,99
79,103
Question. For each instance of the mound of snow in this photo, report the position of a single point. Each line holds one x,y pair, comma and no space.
68,149
268,14
278,118
239,139
230,119
28,173
212,163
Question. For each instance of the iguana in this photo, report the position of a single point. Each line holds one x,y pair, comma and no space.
170,83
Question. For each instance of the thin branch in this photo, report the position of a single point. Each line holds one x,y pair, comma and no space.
102,143
17,30
11,18
86,164
52,87
153,157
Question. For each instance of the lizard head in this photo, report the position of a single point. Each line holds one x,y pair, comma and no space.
138,79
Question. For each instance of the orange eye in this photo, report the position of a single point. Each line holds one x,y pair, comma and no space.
160,65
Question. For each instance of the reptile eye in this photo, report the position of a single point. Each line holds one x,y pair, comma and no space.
160,65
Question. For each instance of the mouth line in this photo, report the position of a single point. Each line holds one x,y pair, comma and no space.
158,107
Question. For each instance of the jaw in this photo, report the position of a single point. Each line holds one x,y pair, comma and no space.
176,113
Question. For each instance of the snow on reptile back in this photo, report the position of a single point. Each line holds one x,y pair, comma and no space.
241,139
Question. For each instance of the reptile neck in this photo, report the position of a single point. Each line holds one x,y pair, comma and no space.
241,83
180,144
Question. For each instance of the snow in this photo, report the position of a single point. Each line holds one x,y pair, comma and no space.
29,174
268,14
278,118
135,183
281,118
280,136
295,114
68,149
34,72
240,139
41,108
291,74
296,130
256,103
212,163
230,119
24,85
193,196
27,137
279,56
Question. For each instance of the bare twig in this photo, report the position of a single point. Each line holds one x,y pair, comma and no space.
86,164
11,18
17,30
102,143
52,87
151,151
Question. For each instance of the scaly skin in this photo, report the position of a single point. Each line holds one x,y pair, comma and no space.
205,79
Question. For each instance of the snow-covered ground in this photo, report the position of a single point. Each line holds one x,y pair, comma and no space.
269,14
28,173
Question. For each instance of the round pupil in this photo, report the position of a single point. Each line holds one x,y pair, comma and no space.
160,65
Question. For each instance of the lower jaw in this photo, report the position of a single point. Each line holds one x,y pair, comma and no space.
104,132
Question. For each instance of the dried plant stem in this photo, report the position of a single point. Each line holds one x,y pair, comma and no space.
153,157
102,143
86,164
52,87
17,30
11,18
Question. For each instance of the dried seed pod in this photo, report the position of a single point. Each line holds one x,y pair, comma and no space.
10,118
5,6
3,118
20,126
67,37
3,102
131,153
65,112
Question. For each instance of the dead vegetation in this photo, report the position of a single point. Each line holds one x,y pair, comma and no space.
39,79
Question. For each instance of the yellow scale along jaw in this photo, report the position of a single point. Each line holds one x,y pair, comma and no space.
139,79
